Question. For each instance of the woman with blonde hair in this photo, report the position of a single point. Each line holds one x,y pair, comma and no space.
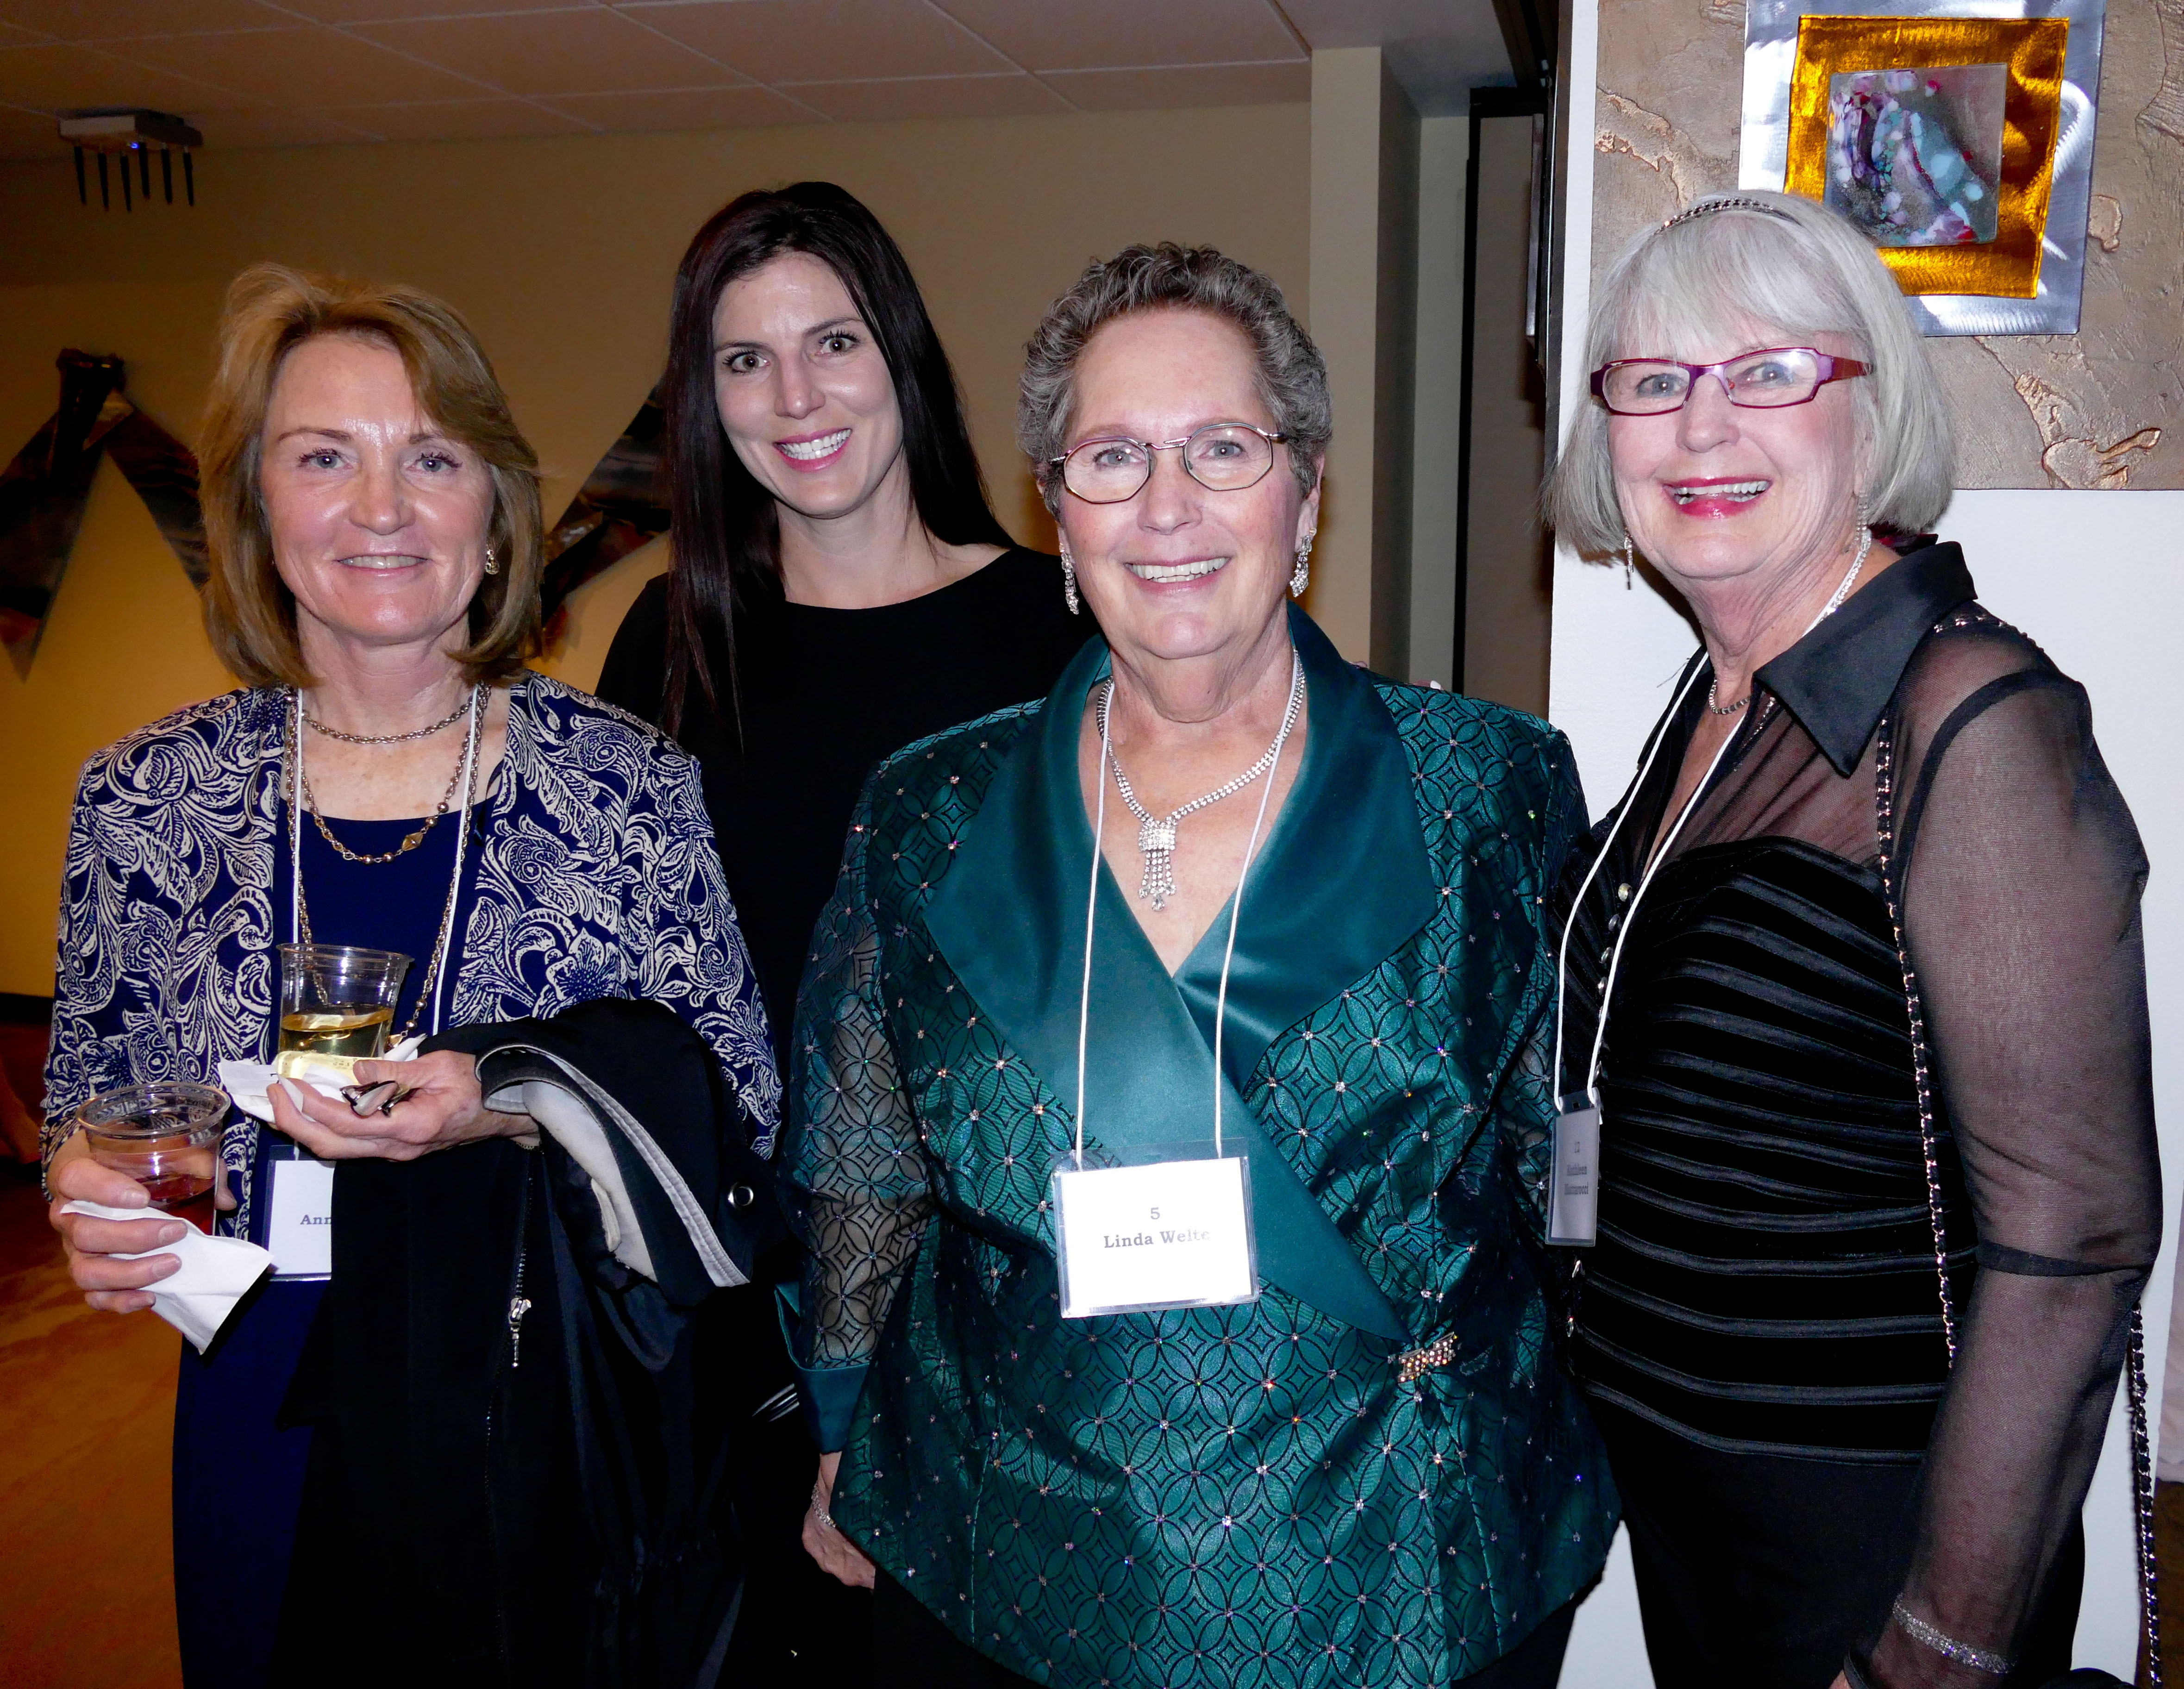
1878,1188
390,775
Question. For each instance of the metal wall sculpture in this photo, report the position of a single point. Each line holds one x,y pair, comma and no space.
1958,134
42,493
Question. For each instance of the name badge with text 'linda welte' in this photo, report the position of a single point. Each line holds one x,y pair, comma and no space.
1168,1234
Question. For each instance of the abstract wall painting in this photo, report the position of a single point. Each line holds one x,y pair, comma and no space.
1956,135
43,492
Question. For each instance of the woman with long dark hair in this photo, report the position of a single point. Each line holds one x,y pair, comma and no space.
840,589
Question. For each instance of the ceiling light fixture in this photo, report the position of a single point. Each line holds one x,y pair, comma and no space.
132,131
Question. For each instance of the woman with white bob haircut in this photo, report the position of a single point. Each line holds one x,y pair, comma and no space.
1877,1185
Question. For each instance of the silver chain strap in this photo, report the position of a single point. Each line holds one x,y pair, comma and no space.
2142,1462
1884,801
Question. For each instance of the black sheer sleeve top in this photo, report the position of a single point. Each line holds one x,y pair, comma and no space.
1775,1228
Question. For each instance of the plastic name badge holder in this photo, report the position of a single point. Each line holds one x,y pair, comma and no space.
1159,1234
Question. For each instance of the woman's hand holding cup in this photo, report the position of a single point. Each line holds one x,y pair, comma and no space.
94,1246
439,1106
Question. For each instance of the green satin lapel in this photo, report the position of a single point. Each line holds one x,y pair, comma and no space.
1341,882
1010,917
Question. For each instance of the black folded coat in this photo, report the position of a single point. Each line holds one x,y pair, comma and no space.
517,1471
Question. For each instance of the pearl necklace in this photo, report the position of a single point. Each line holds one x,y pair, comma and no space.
1833,604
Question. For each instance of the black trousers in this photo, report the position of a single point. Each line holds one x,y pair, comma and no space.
921,1653
1761,1571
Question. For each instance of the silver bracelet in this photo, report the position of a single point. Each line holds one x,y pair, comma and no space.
819,1510
1963,1653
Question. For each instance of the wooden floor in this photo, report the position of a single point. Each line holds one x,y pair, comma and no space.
86,1414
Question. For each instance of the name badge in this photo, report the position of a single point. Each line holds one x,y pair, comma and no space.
1573,1193
1171,1234
299,1223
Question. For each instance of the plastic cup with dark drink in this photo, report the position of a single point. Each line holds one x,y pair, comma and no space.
165,1135
338,1000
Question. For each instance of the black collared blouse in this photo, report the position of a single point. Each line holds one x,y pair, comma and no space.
1766,1277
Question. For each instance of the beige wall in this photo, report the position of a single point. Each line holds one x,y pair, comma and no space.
1507,597
561,253
1364,246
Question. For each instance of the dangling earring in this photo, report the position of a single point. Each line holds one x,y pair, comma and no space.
1301,576
1628,569
492,567
1069,582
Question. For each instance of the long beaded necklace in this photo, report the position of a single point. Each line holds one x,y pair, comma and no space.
1156,834
300,910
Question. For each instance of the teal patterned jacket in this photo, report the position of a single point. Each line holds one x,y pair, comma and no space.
1226,1497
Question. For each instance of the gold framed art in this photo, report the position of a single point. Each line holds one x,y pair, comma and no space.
1976,103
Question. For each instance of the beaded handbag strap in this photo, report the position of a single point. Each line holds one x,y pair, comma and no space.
2142,1462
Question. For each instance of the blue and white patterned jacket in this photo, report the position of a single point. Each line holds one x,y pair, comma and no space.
598,877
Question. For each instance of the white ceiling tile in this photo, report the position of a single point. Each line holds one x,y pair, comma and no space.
458,119
117,20
1202,85
384,11
264,128
823,41
1014,95
64,78
29,134
589,52
1129,33
749,106
297,68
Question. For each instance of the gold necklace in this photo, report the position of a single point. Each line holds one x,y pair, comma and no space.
414,839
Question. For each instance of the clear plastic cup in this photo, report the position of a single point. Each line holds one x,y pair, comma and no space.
165,1135
338,1000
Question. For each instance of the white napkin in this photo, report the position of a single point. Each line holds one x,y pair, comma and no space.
216,1274
246,1082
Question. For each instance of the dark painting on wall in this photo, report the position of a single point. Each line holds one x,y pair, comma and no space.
43,492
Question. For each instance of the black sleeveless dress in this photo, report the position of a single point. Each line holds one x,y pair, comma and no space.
1761,1326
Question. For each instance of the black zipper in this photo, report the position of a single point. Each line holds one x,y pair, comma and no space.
518,1306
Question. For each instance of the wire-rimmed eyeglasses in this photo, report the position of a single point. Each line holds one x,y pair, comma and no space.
1766,380
1225,457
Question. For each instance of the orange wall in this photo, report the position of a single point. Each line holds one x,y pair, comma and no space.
561,252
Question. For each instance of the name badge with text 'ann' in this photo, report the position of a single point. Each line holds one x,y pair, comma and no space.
1168,1234
299,1227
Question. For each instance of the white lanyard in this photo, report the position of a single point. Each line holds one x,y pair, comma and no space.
1175,1232
1573,1189
1630,912
1235,910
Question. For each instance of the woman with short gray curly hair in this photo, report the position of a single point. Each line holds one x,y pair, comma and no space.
1878,1190
1222,901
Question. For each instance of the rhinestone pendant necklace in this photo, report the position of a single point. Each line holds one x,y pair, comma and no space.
1156,834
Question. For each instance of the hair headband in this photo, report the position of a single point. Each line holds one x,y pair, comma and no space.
1728,202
